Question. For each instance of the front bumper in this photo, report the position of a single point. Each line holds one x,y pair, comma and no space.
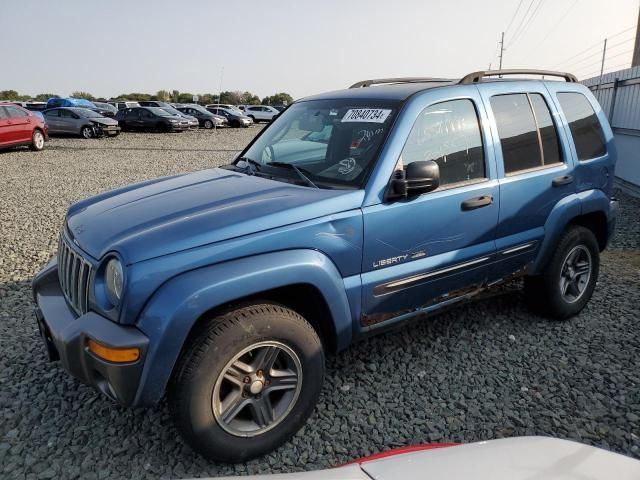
109,129
65,336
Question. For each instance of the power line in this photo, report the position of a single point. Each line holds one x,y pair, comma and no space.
528,24
555,25
522,20
513,17
593,46
575,63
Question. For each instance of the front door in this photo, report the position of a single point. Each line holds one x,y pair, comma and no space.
434,249
534,169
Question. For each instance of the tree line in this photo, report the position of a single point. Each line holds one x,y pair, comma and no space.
232,97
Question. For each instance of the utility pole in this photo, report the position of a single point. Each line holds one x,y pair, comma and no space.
635,61
604,54
501,50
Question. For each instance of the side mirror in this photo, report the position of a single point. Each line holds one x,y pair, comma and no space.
417,178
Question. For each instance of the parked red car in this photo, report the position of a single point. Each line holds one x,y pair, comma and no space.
19,126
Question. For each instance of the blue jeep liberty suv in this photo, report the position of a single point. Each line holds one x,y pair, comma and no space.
353,211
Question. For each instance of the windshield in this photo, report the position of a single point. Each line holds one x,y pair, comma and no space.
332,141
159,111
83,112
172,111
200,109
106,106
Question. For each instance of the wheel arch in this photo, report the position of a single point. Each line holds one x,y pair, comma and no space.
173,314
588,208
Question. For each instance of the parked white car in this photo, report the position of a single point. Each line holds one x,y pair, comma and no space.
520,458
260,113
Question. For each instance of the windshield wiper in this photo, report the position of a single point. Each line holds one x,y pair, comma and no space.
306,179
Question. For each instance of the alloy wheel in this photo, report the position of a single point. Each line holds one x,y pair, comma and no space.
575,273
38,140
257,389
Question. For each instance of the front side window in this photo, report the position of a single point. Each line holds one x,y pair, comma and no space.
52,113
333,142
528,136
586,130
448,133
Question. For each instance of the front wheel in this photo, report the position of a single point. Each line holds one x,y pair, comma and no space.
86,132
567,282
208,124
37,141
247,383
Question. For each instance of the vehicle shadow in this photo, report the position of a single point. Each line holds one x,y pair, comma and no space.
487,369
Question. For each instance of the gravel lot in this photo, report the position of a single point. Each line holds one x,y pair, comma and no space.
488,370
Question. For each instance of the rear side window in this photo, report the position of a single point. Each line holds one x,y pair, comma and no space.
527,133
586,131
3,113
15,112
449,134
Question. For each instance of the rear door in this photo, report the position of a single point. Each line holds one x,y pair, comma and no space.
20,123
437,247
534,168
5,127
53,120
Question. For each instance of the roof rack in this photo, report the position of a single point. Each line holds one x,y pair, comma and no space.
476,77
379,81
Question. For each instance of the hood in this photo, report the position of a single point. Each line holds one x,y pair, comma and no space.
172,214
104,121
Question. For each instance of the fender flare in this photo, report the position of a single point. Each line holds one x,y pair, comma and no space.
562,214
175,307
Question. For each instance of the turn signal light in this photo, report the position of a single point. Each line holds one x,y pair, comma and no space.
115,355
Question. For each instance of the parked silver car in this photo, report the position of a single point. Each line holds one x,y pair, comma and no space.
80,121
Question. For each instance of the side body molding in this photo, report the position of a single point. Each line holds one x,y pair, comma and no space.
172,311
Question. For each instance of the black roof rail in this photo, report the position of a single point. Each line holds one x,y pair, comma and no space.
476,77
379,81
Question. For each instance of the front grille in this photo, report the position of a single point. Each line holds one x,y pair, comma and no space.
74,273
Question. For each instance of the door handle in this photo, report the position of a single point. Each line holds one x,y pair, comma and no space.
477,202
563,180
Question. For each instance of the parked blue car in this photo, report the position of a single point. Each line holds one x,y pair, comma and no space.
101,108
353,211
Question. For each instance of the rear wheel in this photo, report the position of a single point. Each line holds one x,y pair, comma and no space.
247,383
37,141
208,124
567,282
253,119
86,132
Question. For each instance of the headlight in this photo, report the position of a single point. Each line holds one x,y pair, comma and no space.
173,121
114,281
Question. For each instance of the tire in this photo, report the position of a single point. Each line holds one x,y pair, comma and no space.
208,124
253,119
198,383
37,140
162,127
567,282
86,132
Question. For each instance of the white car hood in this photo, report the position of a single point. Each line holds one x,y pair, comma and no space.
522,458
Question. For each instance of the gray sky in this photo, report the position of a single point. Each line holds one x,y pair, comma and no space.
116,46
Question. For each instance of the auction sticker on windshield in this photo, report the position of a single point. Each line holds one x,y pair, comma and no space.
371,115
